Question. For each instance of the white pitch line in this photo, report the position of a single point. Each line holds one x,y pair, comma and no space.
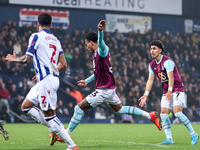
163,146
125,142
137,143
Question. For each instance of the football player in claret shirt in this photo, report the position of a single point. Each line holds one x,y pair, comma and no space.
173,91
105,83
46,52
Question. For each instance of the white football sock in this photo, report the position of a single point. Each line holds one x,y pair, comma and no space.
146,114
37,115
59,129
69,131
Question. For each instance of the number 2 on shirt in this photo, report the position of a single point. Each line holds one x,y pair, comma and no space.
54,52
44,100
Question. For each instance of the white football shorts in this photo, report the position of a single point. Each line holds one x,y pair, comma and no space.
178,99
103,95
45,93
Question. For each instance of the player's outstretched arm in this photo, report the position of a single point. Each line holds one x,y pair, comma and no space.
62,64
101,25
149,85
142,100
82,83
86,81
13,58
103,49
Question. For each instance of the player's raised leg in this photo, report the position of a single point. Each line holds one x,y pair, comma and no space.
155,119
3,131
130,110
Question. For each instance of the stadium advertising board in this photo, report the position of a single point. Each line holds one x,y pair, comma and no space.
171,7
29,15
127,23
192,26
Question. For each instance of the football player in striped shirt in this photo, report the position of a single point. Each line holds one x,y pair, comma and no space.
46,52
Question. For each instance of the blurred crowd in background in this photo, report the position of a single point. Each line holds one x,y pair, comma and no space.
130,55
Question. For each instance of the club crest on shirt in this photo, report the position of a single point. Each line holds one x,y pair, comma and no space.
162,67
48,91
158,68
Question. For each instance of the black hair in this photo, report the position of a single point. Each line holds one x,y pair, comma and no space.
44,19
92,36
159,44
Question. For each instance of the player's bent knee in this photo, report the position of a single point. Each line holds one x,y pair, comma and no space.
121,111
84,105
23,106
78,109
24,109
27,104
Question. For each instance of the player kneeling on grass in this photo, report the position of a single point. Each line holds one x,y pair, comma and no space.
105,83
173,91
46,52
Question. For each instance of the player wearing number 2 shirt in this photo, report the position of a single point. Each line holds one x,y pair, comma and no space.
46,52
105,83
173,91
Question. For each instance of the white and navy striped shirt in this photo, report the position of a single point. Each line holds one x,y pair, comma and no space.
45,49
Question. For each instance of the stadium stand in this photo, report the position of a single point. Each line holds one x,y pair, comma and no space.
130,59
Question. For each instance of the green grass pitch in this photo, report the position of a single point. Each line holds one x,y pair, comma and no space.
98,137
